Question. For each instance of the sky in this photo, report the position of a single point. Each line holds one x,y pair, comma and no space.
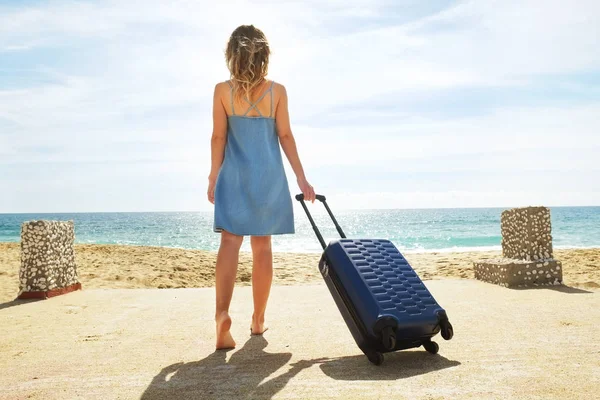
106,105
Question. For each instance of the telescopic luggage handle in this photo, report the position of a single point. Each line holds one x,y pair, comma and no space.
321,198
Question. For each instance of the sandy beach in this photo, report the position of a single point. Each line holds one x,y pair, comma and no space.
135,267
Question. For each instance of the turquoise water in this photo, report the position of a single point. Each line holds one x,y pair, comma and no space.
411,230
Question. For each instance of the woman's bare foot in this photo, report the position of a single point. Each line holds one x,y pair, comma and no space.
224,338
258,325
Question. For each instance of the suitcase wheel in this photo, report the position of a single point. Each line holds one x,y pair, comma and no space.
388,337
375,357
431,347
447,331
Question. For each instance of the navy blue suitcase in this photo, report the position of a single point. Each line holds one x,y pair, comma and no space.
383,301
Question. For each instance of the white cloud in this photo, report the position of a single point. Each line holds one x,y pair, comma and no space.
511,131
464,199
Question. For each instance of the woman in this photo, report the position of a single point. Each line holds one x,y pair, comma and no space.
247,182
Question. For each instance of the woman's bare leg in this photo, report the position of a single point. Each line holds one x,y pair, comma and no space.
225,273
262,276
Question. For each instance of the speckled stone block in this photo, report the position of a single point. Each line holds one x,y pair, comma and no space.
526,251
47,259
518,273
526,233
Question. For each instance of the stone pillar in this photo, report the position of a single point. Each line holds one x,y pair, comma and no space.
526,233
47,259
526,251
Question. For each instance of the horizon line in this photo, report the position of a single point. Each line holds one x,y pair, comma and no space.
339,209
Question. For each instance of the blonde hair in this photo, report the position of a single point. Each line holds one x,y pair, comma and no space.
247,57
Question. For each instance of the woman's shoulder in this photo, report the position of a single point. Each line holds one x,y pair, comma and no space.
278,87
223,85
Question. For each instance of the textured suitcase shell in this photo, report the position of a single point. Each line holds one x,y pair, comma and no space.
385,304
377,287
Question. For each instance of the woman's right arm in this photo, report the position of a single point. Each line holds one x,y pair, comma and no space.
288,143
217,142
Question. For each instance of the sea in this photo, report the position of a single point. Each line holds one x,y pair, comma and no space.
411,230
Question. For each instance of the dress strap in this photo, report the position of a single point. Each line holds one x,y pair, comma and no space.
231,96
253,105
271,90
